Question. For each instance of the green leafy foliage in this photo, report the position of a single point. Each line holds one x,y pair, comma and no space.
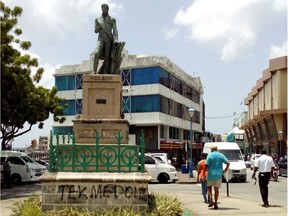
162,205
31,206
159,205
22,101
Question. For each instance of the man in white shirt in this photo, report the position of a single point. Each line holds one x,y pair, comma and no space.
265,166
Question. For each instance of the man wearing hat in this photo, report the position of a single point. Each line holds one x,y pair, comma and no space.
214,165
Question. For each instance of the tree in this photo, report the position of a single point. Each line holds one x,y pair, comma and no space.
22,101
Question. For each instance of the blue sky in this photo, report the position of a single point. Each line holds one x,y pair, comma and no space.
226,43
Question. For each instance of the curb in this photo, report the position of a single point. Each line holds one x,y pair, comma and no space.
183,182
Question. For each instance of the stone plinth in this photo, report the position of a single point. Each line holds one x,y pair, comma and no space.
85,130
94,191
102,96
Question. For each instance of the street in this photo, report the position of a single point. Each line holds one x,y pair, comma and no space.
242,192
248,191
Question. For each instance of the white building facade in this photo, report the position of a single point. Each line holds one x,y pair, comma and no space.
156,97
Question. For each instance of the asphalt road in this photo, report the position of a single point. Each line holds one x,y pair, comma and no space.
247,191
244,191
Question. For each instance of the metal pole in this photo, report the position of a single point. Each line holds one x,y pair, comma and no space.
280,148
190,161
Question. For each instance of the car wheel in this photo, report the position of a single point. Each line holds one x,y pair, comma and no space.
163,178
16,179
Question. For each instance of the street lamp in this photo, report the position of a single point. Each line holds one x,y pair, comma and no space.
280,133
254,145
191,113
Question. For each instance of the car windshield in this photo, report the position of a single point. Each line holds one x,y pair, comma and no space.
232,154
27,159
159,160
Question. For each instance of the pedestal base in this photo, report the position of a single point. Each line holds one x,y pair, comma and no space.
94,191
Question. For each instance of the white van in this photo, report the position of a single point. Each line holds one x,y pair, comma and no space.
161,156
160,171
233,153
23,168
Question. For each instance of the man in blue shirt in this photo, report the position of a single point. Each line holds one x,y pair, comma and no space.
214,164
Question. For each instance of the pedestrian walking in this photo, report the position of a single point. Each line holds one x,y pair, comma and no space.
214,163
201,176
7,172
265,166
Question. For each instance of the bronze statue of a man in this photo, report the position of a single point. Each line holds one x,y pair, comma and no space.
105,25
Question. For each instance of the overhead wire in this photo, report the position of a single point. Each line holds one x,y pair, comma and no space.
222,117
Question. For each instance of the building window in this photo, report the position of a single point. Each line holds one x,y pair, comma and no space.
257,132
147,103
186,134
173,133
195,96
177,87
62,130
264,131
164,78
271,129
65,82
162,128
70,109
239,137
180,110
164,105
147,75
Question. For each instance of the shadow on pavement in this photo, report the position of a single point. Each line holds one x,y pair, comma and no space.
21,190
223,208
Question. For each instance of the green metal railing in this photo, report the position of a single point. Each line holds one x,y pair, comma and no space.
66,156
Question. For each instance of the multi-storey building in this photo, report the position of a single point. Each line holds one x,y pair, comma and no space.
43,143
156,97
266,125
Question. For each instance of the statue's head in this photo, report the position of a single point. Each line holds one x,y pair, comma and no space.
105,6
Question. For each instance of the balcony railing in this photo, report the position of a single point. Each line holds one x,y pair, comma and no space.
66,156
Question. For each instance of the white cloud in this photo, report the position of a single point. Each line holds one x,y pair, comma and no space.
276,51
233,25
280,5
170,33
48,80
236,44
51,22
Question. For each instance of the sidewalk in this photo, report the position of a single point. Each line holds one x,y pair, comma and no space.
227,205
191,201
185,179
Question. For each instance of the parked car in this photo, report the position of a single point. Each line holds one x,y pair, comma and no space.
253,159
160,172
161,156
41,167
43,163
23,168
283,166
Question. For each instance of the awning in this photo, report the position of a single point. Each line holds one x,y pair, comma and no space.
230,137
